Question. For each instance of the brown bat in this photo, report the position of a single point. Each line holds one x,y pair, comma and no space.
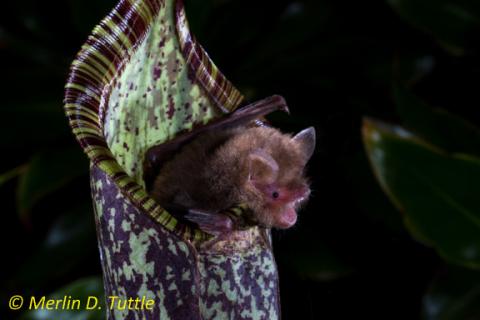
230,163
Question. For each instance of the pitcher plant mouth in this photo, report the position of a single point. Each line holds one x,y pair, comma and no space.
104,67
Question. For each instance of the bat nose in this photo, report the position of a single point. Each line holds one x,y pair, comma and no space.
302,192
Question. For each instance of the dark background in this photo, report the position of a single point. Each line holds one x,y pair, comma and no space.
334,62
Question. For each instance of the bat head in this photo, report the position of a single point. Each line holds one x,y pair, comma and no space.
277,184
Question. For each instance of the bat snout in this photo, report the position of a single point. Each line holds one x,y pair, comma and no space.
287,218
301,194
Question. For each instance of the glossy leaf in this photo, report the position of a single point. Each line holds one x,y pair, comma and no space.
454,294
368,194
437,192
69,241
453,23
437,126
87,290
412,67
47,173
11,174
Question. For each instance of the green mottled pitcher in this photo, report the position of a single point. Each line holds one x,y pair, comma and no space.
139,80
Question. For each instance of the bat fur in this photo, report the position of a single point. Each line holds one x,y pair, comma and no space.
257,166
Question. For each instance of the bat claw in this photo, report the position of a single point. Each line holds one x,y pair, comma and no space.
212,223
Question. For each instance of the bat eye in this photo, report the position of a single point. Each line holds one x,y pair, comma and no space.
275,195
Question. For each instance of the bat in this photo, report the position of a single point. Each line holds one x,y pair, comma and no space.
235,160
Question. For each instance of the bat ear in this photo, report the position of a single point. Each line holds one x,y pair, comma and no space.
306,139
262,165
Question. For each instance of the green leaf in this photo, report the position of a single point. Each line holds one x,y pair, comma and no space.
82,289
368,195
411,67
46,173
69,241
437,126
11,174
437,192
454,294
453,23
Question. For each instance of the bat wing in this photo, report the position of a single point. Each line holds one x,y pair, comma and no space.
158,155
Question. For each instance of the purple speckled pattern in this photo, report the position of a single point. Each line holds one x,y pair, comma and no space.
231,278
141,259
240,286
